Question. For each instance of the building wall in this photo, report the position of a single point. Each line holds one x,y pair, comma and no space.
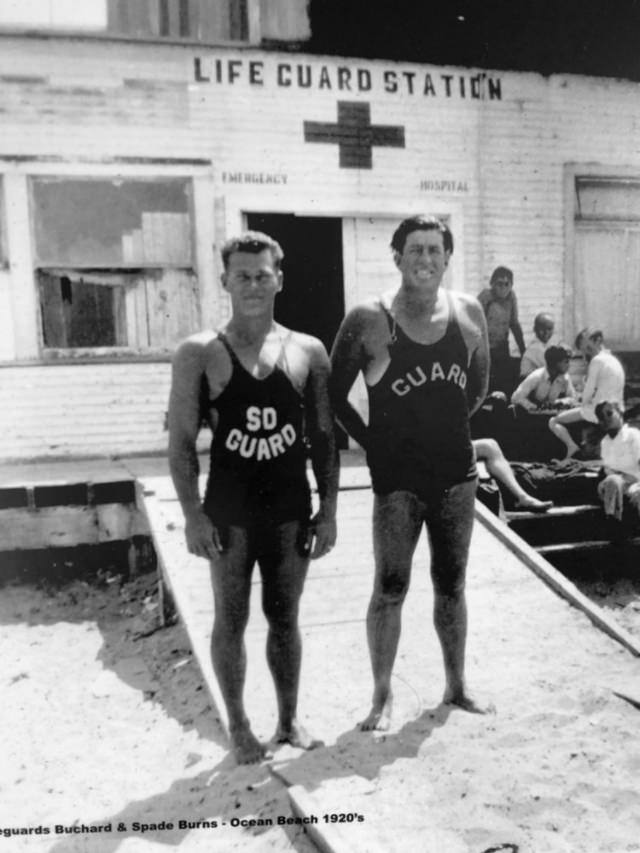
493,152
84,410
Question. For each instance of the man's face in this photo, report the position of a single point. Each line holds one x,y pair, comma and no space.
502,286
610,419
252,282
544,331
589,348
423,260
560,367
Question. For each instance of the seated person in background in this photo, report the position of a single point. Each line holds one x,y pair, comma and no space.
547,387
620,450
488,451
533,356
605,382
500,307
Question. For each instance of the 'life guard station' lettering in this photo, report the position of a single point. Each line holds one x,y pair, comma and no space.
416,377
263,447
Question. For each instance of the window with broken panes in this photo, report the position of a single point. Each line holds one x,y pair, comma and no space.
206,21
114,262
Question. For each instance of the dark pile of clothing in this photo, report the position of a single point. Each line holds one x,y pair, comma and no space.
566,483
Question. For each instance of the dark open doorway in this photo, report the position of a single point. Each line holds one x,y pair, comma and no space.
312,299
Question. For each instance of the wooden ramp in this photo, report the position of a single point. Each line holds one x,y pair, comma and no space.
529,649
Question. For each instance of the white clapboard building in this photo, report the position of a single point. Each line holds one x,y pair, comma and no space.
130,149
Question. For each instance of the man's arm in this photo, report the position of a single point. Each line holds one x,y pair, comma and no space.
591,382
515,326
184,423
521,396
324,455
527,364
347,360
570,396
484,298
478,343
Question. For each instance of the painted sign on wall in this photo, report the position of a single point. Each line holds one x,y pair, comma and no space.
344,79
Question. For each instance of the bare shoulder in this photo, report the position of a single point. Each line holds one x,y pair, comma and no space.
471,318
312,348
195,345
467,303
368,313
470,311
364,321
200,350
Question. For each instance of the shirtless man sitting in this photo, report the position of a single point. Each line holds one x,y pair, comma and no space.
261,386
547,387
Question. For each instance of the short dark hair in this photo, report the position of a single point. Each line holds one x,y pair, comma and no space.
501,272
421,223
600,407
555,354
253,242
592,334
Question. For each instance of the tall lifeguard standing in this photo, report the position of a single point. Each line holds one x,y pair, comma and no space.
423,353
264,391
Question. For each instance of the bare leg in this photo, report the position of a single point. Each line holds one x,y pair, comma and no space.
231,579
397,521
634,496
557,425
450,522
611,490
489,450
284,568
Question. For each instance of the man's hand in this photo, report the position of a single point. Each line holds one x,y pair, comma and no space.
321,536
202,537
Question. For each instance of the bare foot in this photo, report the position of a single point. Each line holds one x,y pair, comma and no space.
571,452
531,504
467,702
246,747
379,718
297,736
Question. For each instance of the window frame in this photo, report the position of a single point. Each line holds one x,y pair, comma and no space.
192,269
575,222
243,15
4,244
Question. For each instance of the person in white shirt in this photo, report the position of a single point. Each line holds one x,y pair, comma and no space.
547,387
533,356
620,451
605,382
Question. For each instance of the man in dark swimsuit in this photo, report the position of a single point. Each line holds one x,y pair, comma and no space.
423,353
264,392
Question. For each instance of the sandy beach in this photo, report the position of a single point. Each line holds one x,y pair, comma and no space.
107,723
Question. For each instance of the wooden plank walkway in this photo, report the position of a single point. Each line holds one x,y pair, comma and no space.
354,773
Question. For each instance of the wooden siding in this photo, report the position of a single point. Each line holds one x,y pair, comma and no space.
496,165
65,411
